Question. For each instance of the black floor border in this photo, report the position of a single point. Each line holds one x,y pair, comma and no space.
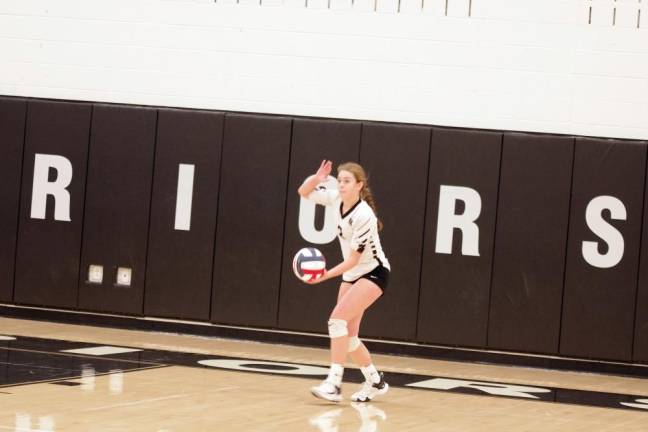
77,377
320,341
404,380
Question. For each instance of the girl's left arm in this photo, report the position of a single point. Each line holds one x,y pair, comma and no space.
346,265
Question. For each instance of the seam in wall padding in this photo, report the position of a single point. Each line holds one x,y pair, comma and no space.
12,131
599,303
530,243
179,266
640,348
251,212
455,288
305,307
47,261
115,233
396,160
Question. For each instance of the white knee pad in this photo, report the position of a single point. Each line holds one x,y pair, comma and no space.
337,328
354,343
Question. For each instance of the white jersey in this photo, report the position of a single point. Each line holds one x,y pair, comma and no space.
357,230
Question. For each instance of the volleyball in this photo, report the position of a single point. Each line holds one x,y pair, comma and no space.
309,264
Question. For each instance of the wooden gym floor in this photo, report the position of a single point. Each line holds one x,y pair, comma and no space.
61,377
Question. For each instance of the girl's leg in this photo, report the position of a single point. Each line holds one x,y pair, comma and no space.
352,305
360,355
344,288
374,384
352,302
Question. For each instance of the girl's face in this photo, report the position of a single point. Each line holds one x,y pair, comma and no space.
348,186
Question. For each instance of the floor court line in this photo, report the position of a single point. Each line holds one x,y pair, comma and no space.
140,402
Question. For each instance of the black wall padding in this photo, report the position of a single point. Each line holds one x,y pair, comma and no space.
47,261
599,303
251,211
640,348
179,267
12,137
530,243
455,288
396,159
117,208
307,307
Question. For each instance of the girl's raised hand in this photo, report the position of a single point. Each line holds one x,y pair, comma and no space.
324,170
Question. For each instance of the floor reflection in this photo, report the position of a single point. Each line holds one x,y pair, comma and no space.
87,379
116,383
31,360
326,421
370,417
24,423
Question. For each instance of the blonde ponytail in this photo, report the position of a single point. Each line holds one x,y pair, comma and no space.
365,193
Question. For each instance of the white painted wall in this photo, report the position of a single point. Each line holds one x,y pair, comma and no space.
564,66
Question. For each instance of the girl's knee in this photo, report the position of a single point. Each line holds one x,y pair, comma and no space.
338,313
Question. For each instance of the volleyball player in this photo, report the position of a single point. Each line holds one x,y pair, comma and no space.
365,275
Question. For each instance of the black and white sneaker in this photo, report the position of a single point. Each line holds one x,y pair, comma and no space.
370,390
328,391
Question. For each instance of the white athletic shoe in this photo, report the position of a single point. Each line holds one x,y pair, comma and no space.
370,390
328,391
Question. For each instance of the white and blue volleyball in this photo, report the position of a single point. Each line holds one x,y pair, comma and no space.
309,264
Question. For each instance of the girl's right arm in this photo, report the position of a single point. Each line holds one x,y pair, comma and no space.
311,182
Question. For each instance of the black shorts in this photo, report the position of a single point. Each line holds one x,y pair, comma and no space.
379,276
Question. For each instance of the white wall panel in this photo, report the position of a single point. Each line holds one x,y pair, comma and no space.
411,6
526,65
